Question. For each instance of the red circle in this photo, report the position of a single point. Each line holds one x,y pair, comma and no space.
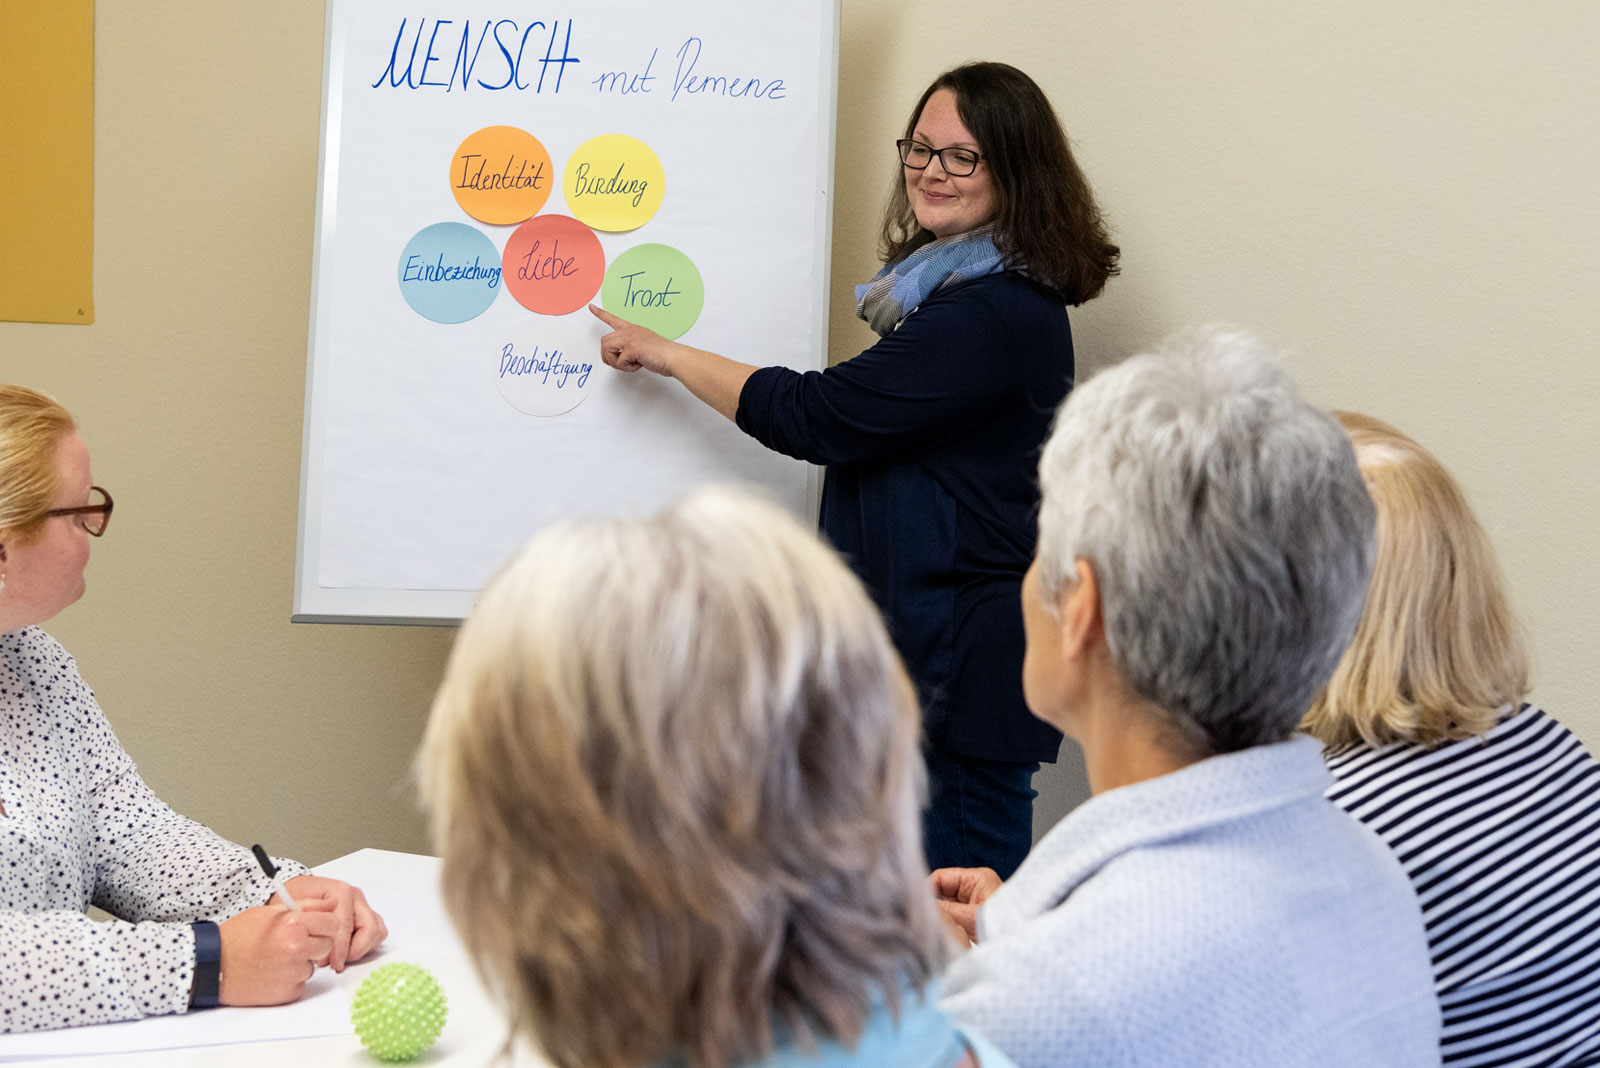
553,264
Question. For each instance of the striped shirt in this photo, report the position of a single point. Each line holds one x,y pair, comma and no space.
1501,837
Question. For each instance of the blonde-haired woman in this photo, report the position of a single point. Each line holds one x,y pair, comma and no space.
197,921
673,774
1492,807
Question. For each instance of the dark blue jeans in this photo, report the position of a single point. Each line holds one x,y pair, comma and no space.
979,814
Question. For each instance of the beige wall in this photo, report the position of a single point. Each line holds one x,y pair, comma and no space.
189,388
1405,195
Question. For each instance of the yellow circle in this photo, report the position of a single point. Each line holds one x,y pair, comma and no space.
614,182
500,175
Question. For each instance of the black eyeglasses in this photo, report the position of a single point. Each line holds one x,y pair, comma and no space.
957,162
96,514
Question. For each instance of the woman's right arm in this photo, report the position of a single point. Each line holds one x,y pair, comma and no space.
145,863
949,368
62,969
941,372
152,864
715,380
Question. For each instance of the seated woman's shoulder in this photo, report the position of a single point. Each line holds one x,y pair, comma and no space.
981,1053
30,651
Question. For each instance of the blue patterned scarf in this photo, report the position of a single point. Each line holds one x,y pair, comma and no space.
895,291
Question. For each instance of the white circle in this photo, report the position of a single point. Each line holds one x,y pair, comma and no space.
536,371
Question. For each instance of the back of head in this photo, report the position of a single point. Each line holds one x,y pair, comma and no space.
1227,527
1049,223
32,425
674,777
1438,652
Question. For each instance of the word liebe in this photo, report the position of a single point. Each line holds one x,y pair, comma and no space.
551,265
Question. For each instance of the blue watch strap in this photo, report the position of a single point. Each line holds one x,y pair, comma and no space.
207,965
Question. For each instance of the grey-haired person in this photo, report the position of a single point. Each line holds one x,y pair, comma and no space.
1204,546
674,777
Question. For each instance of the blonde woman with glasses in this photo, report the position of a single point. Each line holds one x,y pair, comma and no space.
1492,806
674,778
197,922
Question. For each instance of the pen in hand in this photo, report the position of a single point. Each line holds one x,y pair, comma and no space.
275,875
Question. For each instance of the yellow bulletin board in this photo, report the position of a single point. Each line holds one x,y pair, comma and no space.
47,161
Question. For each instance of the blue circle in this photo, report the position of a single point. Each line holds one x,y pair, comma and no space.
449,272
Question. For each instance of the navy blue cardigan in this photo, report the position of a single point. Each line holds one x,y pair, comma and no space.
932,441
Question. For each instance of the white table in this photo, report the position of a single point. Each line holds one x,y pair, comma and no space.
404,888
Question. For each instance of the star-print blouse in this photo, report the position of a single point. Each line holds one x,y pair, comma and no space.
80,827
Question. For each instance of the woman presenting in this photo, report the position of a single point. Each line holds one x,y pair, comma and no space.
197,921
931,435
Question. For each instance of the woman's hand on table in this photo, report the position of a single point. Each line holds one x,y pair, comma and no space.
361,930
269,952
959,892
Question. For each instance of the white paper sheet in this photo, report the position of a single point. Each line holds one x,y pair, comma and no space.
325,1010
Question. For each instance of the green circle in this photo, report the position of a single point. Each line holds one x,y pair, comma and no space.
655,286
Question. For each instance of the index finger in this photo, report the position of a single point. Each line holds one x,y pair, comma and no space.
320,924
340,950
961,918
317,904
946,882
369,933
615,322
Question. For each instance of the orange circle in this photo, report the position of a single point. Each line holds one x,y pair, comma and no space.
501,175
553,264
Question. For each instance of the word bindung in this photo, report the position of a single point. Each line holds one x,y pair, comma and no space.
615,185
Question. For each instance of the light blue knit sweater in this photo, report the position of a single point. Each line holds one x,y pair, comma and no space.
1224,915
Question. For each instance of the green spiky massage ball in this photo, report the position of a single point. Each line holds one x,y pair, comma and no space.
398,1011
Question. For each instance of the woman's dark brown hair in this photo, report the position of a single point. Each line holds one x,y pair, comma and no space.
1048,223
